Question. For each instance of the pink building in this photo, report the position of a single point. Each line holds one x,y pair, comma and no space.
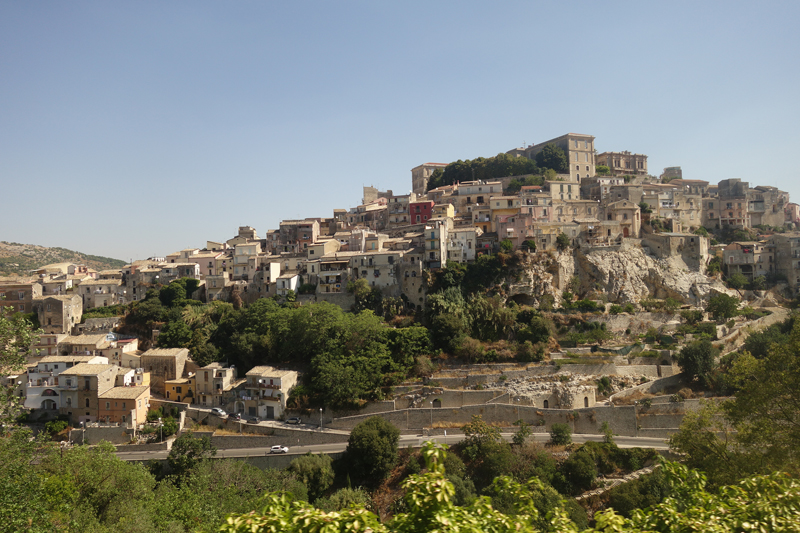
517,228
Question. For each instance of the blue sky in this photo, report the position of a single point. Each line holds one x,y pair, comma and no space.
141,128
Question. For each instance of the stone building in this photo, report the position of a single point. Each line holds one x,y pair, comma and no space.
623,163
83,384
59,314
751,259
579,149
164,364
693,249
124,405
212,382
628,215
787,256
265,392
20,296
420,175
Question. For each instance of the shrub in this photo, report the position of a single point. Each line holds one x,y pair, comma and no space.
560,434
471,350
615,309
528,352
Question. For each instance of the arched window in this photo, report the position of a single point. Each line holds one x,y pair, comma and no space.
87,402
546,404
586,401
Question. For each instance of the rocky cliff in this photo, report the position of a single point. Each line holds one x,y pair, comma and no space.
624,274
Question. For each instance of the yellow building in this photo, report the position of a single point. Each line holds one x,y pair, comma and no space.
180,390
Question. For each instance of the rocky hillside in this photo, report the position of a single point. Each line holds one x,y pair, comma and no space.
624,275
17,260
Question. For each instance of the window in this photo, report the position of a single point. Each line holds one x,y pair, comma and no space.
21,295
108,405
87,402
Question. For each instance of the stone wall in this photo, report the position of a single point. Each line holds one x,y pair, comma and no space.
651,387
621,419
259,437
93,435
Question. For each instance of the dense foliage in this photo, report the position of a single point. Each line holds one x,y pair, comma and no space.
483,168
755,432
769,503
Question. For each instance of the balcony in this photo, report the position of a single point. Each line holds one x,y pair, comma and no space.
262,386
270,398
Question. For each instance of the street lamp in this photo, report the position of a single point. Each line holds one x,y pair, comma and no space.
83,433
160,431
431,416
320,418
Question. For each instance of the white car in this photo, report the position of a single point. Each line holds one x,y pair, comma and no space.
278,449
219,412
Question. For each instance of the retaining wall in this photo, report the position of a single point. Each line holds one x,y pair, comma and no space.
588,420
156,446
261,438
651,387
93,435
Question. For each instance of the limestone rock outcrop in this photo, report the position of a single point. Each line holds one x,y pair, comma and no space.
623,274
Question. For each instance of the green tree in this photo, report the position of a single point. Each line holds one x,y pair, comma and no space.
562,241
722,307
552,157
315,471
714,266
522,433
175,334
17,335
608,435
188,451
560,434
371,451
697,361
344,499
172,293
764,503
737,281
506,246
24,498
602,170
576,474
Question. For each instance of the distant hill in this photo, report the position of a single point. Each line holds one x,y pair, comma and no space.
19,259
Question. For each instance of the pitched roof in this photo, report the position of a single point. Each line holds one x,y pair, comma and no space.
165,352
85,339
125,393
87,369
268,371
66,358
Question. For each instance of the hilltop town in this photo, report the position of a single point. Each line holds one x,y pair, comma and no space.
550,286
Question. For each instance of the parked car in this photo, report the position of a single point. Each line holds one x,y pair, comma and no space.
237,416
293,420
278,449
219,412
253,420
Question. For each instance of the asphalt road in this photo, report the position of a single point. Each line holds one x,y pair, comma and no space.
405,440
